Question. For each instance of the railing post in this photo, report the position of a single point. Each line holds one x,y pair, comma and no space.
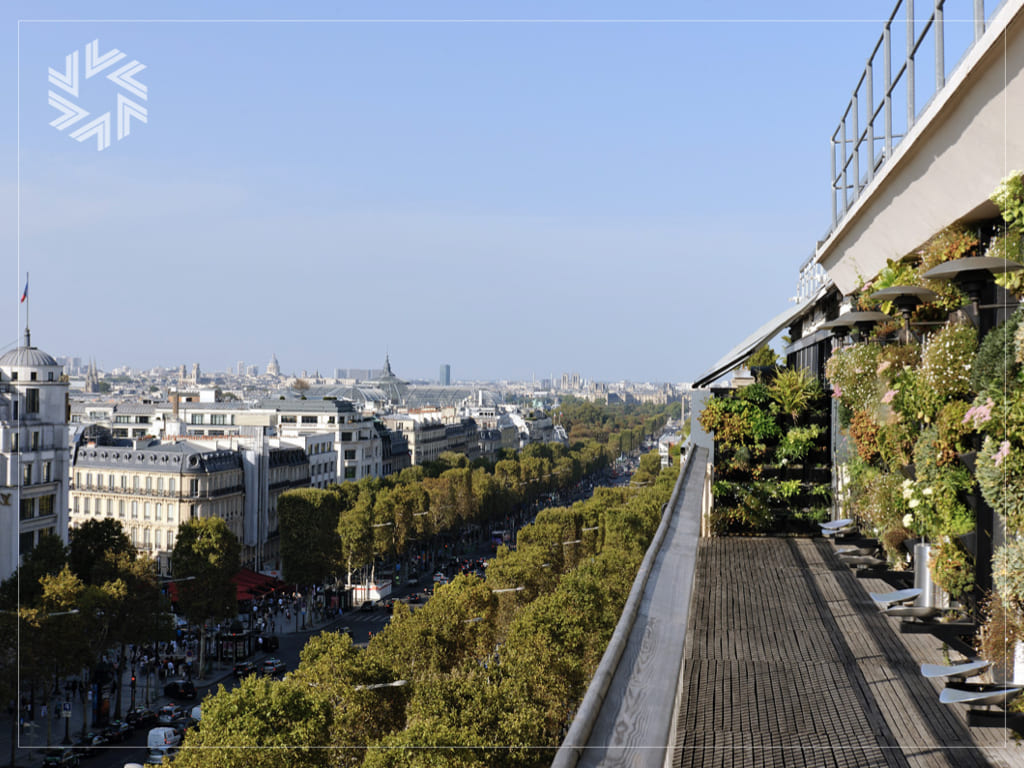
846,181
869,73
979,19
910,66
835,200
856,147
940,48
887,37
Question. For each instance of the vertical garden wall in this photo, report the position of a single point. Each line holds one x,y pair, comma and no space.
771,455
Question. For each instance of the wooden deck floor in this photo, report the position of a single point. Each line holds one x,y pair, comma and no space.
788,662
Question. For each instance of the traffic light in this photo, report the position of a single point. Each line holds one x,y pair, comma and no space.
133,680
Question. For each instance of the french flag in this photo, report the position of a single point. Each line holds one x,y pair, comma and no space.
24,294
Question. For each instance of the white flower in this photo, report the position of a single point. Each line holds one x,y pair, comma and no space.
927,491
908,520
914,503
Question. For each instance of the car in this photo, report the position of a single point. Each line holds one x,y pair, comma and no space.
273,667
414,597
243,668
141,717
413,579
64,757
347,631
171,713
91,743
180,689
118,731
440,577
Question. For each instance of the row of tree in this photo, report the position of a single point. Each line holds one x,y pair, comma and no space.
338,530
488,672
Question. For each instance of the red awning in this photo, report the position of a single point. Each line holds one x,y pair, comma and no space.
249,585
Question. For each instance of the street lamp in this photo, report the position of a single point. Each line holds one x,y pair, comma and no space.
375,686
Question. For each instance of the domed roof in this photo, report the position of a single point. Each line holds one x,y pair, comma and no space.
27,356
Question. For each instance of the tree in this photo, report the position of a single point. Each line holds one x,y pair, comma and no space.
260,724
763,356
310,545
90,543
206,556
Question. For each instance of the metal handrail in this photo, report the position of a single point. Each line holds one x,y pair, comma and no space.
848,141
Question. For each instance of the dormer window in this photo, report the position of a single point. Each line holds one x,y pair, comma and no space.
32,375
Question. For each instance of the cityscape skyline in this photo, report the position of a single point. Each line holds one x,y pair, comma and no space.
543,192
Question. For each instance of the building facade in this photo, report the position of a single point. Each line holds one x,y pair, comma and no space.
33,452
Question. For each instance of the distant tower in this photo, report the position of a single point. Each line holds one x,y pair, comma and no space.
273,368
446,375
240,368
195,373
181,373
92,380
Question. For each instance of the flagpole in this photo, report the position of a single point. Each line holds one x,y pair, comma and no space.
26,307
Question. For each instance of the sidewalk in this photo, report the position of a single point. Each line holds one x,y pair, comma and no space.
32,742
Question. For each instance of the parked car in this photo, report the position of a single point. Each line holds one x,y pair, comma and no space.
90,744
117,731
171,713
141,717
64,757
180,689
243,668
273,667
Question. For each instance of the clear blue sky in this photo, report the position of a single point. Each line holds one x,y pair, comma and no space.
625,200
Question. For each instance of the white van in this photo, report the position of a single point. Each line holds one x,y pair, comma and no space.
163,738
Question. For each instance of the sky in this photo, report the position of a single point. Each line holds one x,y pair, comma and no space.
623,190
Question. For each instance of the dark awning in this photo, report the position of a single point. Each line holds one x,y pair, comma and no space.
766,332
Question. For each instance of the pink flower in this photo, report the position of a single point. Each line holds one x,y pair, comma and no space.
883,366
1002,453
837,391
979,414
888,396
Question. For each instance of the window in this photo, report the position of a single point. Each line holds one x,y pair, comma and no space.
28,509
32,376
124,482
171,484
349,455
193,487
86,506
218,418
172,510
35,441
27,540
135,535
309,419
110,507
149,484
346,437
145,538
110,482
122,420
287,419
170,545
142,420
14,436
88,479
26,475
49,376
145,511
158,511
135,510
45,506
350,473
47,471
120,508
160,484
31,401
135,482
197,418
74,505
156,538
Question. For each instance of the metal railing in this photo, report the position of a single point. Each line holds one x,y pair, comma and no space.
873,124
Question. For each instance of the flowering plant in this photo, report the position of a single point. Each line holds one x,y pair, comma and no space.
919,499
1009,197
1000,472
952,568
946,360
